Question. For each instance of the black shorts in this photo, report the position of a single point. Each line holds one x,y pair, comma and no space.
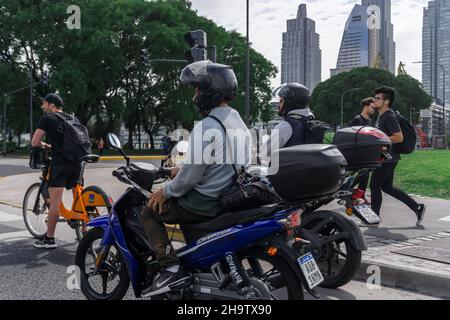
64,175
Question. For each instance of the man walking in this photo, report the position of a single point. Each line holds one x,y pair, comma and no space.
383,177
363,119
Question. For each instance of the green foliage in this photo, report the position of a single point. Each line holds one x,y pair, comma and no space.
97,69
326,98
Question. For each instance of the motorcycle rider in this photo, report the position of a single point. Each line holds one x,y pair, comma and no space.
293,107
192,196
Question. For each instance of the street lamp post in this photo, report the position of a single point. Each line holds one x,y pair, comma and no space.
342,104
443,98
444,72
4,124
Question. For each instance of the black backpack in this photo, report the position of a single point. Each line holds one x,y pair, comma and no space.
314,130
409,136
76,143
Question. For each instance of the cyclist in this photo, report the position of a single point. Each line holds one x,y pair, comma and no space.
63,174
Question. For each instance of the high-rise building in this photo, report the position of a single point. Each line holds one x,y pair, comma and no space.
436,49
368,39
301,57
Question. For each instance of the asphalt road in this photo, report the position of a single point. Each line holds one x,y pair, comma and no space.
32,274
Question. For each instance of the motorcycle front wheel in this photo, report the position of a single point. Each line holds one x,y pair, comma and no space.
111,280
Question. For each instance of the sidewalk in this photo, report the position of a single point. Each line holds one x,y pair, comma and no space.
398,231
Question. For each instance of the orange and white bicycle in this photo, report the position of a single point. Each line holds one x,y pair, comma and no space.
88,203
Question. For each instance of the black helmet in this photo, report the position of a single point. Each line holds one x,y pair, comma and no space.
216,82
296,96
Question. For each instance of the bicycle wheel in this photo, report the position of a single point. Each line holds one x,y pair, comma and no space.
35,211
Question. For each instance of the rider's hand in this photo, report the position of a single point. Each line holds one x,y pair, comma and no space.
157,200
174,172
46,145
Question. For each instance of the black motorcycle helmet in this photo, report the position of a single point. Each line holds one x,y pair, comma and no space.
296,96
216,83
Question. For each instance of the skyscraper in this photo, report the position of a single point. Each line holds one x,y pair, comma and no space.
301,57
368,39
436,49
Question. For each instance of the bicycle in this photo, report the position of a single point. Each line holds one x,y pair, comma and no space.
85,205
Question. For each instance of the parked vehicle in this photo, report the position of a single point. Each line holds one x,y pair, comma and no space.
240,255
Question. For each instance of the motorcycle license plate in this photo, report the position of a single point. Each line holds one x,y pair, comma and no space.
367,214
310,270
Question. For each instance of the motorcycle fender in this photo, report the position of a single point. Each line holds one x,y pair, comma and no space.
289,256
354,232
100,222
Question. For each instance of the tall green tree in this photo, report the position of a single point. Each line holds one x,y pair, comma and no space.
326,98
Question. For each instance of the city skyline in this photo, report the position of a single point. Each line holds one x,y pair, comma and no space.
268,19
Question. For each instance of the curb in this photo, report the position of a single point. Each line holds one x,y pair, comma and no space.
392,276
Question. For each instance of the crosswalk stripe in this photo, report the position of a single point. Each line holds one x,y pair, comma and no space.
14,236
7,217
446,219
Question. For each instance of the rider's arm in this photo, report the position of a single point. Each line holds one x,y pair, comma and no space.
187,178
279,137
38,136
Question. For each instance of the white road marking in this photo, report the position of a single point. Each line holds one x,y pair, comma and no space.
15,236
7,217
446,219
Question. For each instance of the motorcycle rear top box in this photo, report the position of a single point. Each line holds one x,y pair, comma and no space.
308,171
362,147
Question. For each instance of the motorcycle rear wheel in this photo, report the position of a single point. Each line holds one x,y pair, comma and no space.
338,260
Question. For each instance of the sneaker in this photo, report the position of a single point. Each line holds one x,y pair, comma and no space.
167,281
420,213
47,243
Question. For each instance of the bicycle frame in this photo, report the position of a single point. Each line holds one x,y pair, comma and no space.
82,197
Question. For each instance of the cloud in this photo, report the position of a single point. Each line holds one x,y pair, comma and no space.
268,22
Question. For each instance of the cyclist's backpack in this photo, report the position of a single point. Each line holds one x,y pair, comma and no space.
409,136
76,143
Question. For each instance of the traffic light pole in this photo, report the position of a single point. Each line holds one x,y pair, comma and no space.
247,94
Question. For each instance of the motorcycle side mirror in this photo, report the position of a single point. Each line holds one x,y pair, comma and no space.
114,142
182,147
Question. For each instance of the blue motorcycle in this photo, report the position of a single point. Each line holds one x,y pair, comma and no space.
237,256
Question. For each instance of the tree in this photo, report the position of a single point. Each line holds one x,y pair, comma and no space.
97,69
326,98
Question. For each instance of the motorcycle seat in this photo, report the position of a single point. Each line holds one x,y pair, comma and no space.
235,218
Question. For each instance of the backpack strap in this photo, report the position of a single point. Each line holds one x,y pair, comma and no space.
225,131
60,116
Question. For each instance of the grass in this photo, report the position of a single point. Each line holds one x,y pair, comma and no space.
425,173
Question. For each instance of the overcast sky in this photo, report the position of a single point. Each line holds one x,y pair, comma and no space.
268,22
